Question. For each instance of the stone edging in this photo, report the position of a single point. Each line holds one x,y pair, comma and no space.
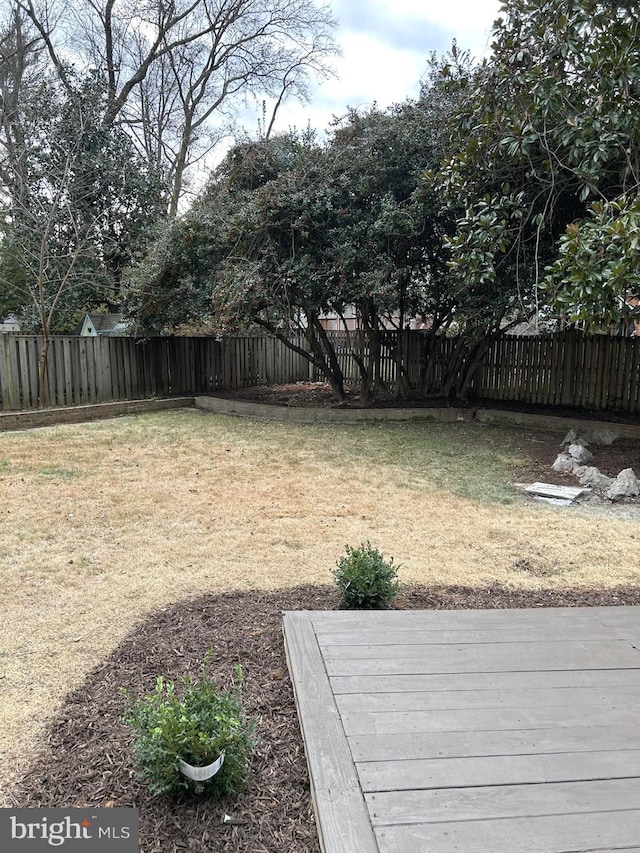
300,414
77,414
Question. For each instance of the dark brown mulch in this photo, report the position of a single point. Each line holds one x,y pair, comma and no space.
86,761
306,393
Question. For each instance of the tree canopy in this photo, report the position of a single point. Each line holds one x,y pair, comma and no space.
175,73
290,229
78,205
552,158
104,109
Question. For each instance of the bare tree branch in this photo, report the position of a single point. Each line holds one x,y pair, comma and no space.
172,66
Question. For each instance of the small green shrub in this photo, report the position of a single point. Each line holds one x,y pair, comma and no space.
365,579
197,726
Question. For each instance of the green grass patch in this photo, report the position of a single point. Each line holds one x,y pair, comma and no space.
475,462
59,473
469,460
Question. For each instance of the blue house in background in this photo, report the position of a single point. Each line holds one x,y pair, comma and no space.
103,325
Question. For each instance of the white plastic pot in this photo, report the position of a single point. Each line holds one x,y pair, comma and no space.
201,774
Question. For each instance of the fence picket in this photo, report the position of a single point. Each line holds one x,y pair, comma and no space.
23,372
7,395
617,373
628,390
634,376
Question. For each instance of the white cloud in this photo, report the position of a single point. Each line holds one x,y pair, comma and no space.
471,14
372,70
385,47
410,24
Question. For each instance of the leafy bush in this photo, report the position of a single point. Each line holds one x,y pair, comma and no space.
365,579
196,726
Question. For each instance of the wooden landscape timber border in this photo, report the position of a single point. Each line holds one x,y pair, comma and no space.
298,414
595,372
78,414
327,415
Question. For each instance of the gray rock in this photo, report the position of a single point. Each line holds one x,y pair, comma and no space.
625,485
590,476
580,453
564,464
570,437
574,437
604,436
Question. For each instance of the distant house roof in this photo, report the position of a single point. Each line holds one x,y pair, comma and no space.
95,325
10,323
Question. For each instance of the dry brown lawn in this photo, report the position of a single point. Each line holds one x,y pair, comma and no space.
102,523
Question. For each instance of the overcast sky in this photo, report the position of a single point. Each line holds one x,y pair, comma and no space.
385,45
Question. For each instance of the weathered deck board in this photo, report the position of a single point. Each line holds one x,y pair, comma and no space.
335,786
442,745
486,656
431,620
484,720
549,834
492,802
465,700
421,774
502,658
478,731
453,682
524,634
620,617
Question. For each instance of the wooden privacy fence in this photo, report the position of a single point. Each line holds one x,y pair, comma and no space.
597,372
105,369
569,369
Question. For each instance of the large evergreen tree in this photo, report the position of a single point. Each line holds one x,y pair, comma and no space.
548,179
289,230
77,210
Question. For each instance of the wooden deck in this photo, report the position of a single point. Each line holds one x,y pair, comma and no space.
474,731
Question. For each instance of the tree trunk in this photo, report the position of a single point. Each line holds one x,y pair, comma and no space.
322,355
428,358
370,379
180,165
453,367
474,363
467,359
403,385
324,350
42,368
401,341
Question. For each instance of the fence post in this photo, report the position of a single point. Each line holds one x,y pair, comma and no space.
568,366
7,394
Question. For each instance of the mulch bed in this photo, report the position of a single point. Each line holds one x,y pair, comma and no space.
86,761
318,394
